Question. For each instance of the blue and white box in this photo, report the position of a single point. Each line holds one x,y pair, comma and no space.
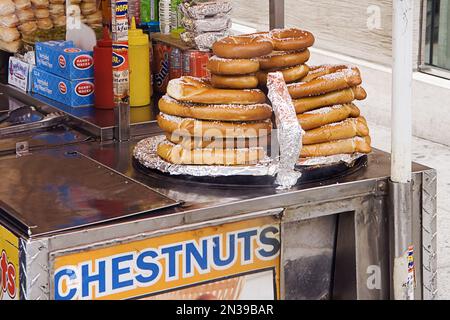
19,74
74,93
64,59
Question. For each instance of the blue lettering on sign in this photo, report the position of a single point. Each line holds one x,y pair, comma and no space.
273,243
88,278
130,270
220,262
149,269
194,255
172,253
117,271
60,276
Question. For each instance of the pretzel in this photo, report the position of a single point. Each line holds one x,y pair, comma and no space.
320,117
224,66
283,59
291,39
220,112
234,82
219,129
333,98
339,80
217,142
289,74
318,71
197,90
345,146
242,47
227,157
349,128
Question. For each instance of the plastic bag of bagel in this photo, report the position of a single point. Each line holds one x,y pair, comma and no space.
289,131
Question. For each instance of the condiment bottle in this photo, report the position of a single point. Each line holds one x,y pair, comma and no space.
103,74
139,59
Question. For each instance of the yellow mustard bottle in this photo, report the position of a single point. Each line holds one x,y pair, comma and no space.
139,59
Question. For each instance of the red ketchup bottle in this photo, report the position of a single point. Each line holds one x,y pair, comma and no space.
103,73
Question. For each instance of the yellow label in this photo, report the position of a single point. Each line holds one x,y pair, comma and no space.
9,265
175,262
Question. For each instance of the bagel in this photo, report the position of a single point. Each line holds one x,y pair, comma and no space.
345,146
44,24
291,39
28,27
289,74
234,82
224,157
200,128
218,112
281,59
41,13
223,66
218,143
321,117
318,71
197,90
342,79
25,15
329,99
349,128
242,47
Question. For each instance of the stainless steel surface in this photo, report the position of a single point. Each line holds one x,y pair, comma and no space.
429,246
38,139
307,258
122,121
98,122
400,207
53,190
34,270
50,120
276,14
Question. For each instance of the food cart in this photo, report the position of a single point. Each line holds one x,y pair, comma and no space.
80,219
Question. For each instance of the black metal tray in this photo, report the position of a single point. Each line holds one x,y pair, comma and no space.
310,174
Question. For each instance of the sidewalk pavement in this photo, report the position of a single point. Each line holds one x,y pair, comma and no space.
436,156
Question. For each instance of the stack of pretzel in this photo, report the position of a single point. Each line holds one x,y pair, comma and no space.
210,126
323,101
289,56
243,62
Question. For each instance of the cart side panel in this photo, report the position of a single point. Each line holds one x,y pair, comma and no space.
9,265
228,260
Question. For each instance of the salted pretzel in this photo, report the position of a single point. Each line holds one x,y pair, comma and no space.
329,99
342,79
349,128
323,116
219,112
197,90
345,146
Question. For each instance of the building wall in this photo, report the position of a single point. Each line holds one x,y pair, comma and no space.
358,28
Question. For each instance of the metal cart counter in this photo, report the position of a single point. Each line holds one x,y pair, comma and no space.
322,240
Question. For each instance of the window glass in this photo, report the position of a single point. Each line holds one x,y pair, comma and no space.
437,41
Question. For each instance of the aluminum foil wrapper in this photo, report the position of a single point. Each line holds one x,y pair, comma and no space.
348,159
145,153
289,131
215,24
202,41
201,10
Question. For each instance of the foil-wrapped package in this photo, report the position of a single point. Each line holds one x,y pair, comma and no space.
289,131
215,24
145,153
202,41
202,10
